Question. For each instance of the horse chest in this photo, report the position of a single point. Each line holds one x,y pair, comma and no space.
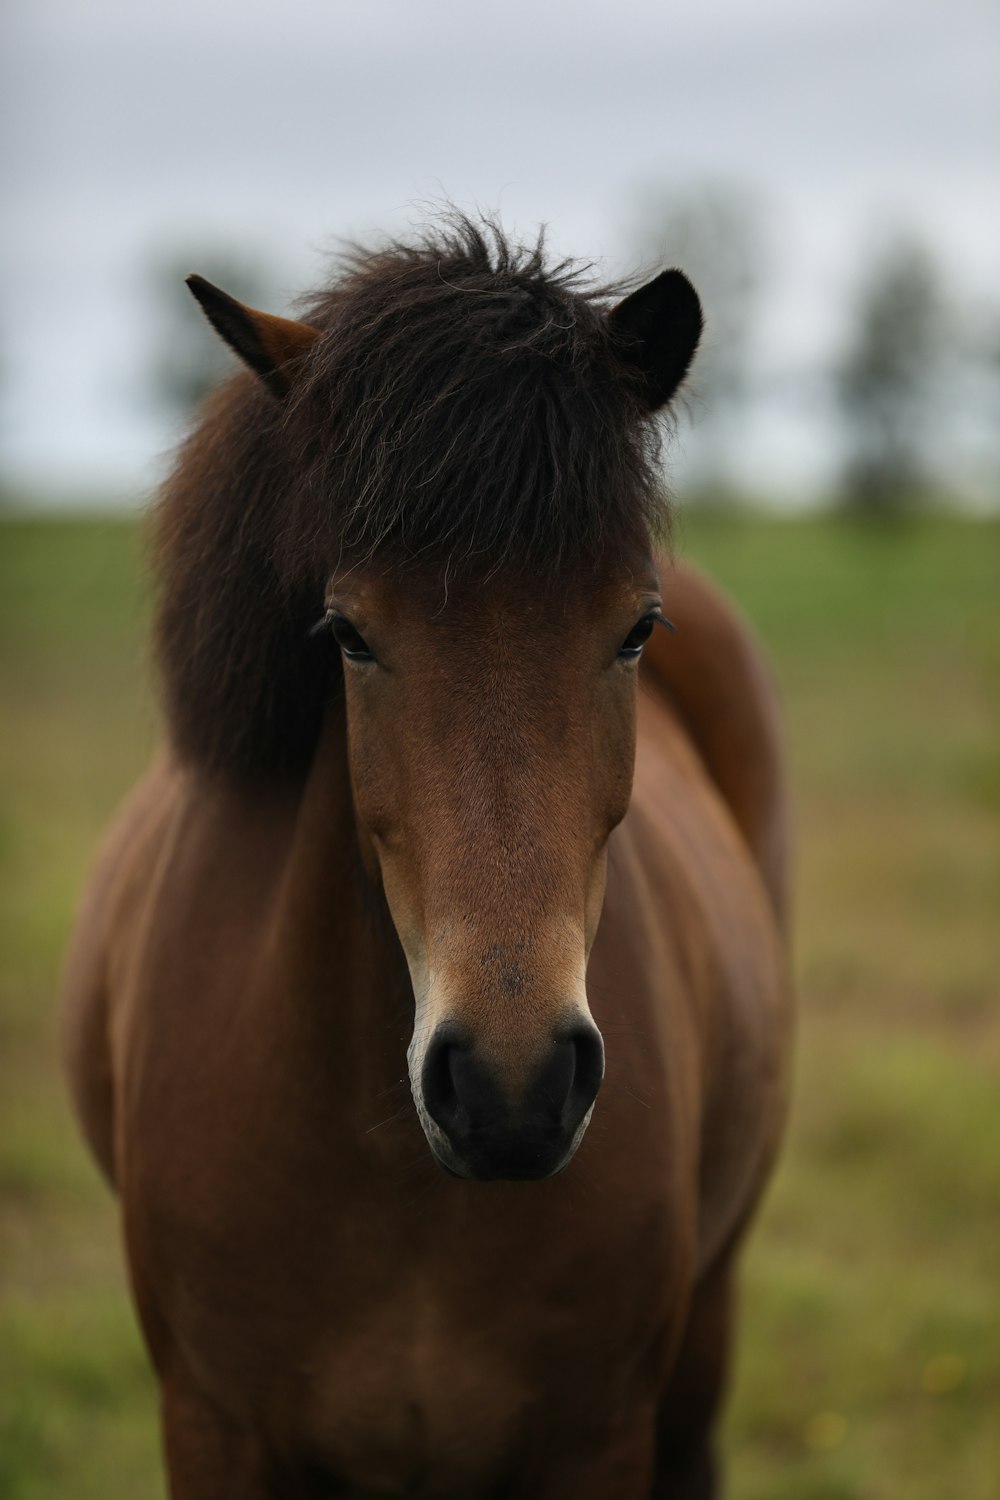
421,1334
455,1372
409,1396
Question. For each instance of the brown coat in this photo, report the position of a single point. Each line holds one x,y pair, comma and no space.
438,864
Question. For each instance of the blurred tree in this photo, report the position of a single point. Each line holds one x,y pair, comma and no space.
982,341
714,233
187,358
889,380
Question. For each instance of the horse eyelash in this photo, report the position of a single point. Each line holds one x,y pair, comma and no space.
661,619
322,624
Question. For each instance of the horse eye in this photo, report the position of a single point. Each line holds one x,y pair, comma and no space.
353,645
631,647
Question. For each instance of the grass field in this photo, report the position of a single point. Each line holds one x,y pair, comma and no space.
870,1358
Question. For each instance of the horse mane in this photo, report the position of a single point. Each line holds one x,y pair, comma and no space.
465,407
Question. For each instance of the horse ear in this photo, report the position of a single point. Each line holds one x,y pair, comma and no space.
660,326
269,345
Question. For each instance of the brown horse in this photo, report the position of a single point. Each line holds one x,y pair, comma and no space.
395,846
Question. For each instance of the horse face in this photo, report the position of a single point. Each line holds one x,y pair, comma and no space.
491,734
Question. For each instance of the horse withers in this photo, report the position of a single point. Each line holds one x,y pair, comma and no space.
431,861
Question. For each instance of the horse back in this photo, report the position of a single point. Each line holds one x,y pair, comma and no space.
714,677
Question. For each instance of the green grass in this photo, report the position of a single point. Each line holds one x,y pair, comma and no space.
77,1405
869,1364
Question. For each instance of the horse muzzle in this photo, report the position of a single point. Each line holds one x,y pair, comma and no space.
488,1122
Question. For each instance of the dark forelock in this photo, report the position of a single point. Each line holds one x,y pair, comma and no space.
466,404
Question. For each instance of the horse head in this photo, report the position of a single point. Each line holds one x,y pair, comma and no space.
489,673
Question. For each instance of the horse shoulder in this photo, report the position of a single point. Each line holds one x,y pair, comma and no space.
103,938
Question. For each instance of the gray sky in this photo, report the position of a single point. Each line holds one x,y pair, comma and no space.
130,128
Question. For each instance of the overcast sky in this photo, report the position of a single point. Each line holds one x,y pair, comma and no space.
130,128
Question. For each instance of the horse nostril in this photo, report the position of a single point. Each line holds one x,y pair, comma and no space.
554,1081
570,1079
589,1069
460,1090
437,1081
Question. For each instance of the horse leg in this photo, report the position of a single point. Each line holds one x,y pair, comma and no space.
686,1466
209,1457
